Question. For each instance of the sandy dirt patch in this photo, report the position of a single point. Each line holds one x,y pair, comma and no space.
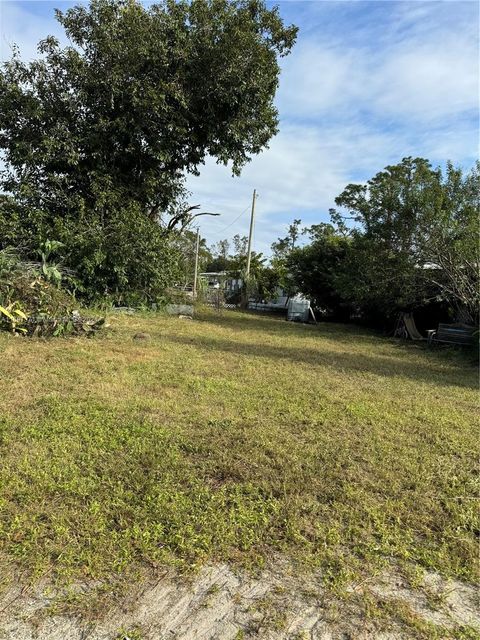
220,604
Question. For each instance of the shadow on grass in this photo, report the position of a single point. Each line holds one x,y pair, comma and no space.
276,323
463,358
428,371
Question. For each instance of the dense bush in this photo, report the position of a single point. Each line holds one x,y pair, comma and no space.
413,245
30,304
121,254
315,269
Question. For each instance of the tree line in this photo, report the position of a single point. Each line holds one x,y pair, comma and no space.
405,240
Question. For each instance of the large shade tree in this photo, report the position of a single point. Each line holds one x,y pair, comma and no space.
139,99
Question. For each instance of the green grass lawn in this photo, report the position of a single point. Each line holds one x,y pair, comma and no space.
234,437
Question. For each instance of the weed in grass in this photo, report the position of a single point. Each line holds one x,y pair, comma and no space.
466,633
213,590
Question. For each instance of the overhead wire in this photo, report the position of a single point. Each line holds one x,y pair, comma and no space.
231,223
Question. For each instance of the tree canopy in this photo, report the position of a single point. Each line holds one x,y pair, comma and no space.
114,122
406,238
139,99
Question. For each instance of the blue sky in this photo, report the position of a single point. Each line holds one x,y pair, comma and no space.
367,84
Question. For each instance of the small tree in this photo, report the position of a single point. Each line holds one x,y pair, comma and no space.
221,249
281,252
220,259
240,245
314,270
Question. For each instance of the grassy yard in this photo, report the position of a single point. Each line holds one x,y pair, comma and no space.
232,437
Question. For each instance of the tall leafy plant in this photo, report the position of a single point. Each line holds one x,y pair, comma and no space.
50,270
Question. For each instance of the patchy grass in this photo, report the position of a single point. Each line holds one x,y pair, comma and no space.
231,437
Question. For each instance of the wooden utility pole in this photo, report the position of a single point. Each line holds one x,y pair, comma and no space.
195,276
250,235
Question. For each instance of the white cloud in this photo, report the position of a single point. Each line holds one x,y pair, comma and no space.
408,80
351,103
299,176
20,26
317,78
429,82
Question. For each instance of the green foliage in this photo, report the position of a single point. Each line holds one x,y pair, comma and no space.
121,255
282,247
449,239
240,245
126,258
30,304
314,270
414,240
12,318
24,283
98,136
45,326
220,259
262,281
221,249
217,264
185,244
282,262
9,265
50,272
378,284
267,281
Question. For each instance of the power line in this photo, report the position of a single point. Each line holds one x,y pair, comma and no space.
231,224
